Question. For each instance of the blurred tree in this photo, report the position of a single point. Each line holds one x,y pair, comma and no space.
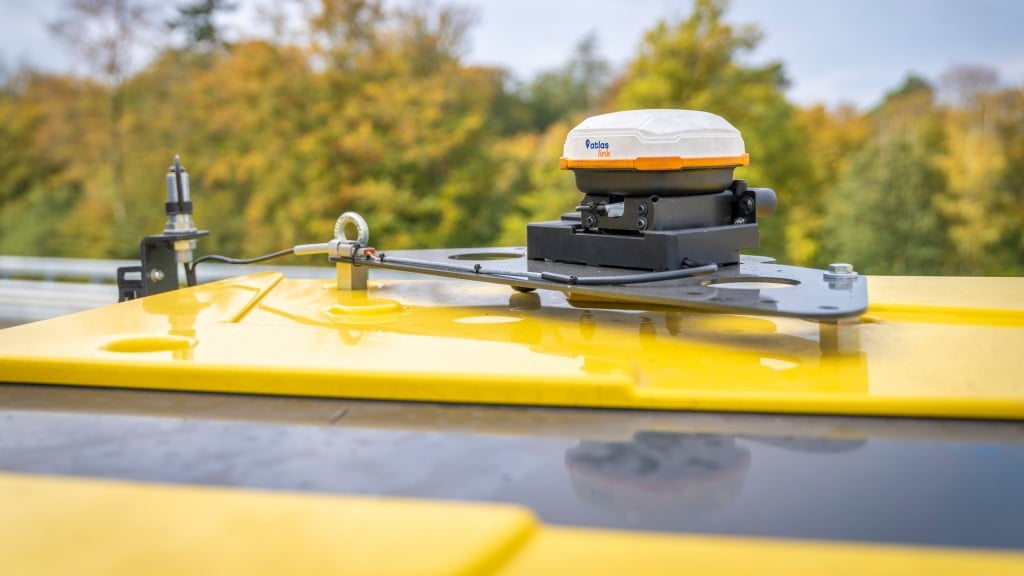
377,112
834,136
529,174
344,30
18,122
508,113
247,141
198,20
54,174
22,170
973,164
403,128
883,218
961,84
1006,114
567,93
912,84
106,34
694,64
527,182
883,215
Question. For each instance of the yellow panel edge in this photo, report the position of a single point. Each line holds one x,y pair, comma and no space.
60,526
557,551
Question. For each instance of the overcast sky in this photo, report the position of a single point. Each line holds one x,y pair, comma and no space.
833,50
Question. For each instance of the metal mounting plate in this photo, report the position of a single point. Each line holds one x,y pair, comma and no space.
757,285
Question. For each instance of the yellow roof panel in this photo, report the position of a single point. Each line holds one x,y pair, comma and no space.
73,526
927,347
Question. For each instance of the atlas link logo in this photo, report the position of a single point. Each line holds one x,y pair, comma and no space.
603,150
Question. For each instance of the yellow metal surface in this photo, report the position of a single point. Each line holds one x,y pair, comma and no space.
927,347
569,551
65,526
60,526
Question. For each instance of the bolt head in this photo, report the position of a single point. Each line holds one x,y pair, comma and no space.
156,275
746,204
840,275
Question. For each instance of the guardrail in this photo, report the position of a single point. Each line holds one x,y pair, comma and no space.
105,271
34,288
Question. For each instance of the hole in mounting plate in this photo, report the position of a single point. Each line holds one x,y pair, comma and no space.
486,256
752,283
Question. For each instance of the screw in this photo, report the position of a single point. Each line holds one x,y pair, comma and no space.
156,275
840,268
590,221
641,223
746,204
641,209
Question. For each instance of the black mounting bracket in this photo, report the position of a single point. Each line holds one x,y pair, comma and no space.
159,270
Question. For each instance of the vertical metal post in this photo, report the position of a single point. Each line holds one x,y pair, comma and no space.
351,277
839,337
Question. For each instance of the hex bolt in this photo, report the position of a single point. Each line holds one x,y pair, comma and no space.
156,275
840,268
839,272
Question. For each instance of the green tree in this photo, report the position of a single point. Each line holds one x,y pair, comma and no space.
567,93
377,112
883,217
1007,209
695,64
54,172
884,213
973,164
529,173
833,138
403,128
198,20
105,34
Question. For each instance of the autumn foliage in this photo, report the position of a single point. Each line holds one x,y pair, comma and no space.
372,109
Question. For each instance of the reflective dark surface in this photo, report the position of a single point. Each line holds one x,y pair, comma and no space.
869,479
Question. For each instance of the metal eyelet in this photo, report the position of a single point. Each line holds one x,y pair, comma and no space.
352,219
